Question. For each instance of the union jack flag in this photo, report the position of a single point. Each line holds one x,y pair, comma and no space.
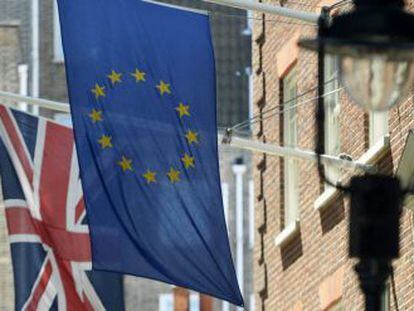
46,219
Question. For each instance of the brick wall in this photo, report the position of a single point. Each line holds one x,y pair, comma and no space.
312,271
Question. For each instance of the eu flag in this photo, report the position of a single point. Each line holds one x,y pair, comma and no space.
142,83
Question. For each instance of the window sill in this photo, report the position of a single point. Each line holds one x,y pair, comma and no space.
58,61
369,157
326,198
376,151
287,234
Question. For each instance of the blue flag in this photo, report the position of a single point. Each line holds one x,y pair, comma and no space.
142,90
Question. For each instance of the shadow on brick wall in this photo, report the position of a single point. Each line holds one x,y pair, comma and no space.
291,252
332,215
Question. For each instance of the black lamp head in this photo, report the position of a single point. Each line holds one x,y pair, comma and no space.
375,46
373,27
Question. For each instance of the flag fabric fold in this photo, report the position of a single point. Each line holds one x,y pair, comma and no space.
45,215
142,90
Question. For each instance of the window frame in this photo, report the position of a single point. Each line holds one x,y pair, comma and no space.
166,302
290,139
58,55
332,121
378,126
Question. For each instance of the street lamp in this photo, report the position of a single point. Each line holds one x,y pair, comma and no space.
374,44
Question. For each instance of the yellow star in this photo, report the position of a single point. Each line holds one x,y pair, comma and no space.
164,88
139,76
192,137
183,110
105,141
98,91
150,177
115,77
125,164
96,115
173,175
188,161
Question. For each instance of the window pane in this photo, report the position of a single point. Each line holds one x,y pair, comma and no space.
332,110
290,137
194,302
378,126
166,302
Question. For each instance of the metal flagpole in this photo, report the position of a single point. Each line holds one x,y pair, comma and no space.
236,142
42,103
289,152
308,17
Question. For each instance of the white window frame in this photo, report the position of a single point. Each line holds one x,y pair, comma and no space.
225,195
166,302
251,214
332,121
378,126
63,118
58,56
252,302
290,139
194,302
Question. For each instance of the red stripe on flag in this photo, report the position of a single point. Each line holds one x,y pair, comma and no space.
87,303
72,297
19,221
40,288
80,208
55,174
66,245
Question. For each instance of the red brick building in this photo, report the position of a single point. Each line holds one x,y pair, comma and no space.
301,260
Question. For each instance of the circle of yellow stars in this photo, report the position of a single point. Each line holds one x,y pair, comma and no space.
125,163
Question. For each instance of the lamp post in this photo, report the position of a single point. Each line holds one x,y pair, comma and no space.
374,44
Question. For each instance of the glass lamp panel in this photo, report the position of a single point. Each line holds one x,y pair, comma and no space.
376,83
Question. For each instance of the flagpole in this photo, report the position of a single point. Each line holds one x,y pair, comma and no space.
288,152
39,102
304,16
233,141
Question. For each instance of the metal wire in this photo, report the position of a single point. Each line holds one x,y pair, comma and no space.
277,110
260,115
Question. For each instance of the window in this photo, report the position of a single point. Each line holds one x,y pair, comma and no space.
166,302
332,110
378,126
194,302
225,195
252,302
290,138
57,38
251,214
